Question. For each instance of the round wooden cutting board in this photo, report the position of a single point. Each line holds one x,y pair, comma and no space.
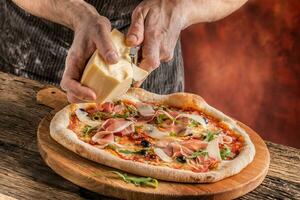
97,178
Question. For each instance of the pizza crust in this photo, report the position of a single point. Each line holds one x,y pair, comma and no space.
60,133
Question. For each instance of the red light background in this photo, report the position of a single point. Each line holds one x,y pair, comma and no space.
248,66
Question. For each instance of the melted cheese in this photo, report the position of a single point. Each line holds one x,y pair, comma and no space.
111,81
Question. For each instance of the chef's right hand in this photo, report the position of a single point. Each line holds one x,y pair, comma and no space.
91,32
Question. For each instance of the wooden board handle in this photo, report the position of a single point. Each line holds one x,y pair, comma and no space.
52,97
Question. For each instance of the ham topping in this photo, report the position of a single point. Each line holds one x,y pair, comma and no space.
116,125
145,110
108,107
83,117
103,137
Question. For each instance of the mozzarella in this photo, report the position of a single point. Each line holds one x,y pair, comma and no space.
153,132
83,117
197,118
162,155
111,81
213,149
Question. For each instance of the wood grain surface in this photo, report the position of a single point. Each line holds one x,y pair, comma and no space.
97,178
24,175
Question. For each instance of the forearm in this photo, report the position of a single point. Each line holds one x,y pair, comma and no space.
65,12
210,10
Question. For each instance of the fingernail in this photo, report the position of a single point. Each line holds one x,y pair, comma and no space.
132,39
112,57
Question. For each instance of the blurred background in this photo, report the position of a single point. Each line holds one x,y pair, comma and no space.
248,66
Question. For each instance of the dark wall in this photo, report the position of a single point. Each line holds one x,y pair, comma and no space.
248,66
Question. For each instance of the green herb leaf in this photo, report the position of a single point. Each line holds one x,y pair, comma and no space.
86,130
160,118
111,147
225,153
138,181
132,110
210,136
126,151
173,134
198,153
193,123
125,115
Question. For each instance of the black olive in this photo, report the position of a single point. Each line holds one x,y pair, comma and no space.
81,109
96,118
145,143
143,152
205,120
181,159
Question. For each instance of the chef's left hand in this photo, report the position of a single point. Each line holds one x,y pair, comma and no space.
156,24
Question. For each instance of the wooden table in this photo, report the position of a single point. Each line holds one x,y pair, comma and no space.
24,175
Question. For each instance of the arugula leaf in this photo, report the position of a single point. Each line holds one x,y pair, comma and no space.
132,110
210,136
141,152
225,153
160,118
193,123
173,134
125,115
138,181
111,147
126,151
86,130
98,115
198,153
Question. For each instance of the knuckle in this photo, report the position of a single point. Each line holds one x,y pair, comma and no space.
156,33
138,11
104,22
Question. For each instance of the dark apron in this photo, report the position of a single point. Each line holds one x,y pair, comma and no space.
37,48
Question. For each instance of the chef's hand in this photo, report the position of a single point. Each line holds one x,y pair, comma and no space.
91,32
156,24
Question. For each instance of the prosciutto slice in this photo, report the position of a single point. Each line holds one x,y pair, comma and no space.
103,137
108,107
194,144
116,125
83,117
145,110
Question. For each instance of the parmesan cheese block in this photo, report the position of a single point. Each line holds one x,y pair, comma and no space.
112,81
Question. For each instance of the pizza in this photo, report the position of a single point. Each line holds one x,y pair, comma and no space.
176,137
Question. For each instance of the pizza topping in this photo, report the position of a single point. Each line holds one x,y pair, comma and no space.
145,110
103,137
145,143
108,107
116,125
195,119
153,132
86,130
225,139
198,153
157,134
194,144
162,155
181,159
162,115
225,153
213,149
83,117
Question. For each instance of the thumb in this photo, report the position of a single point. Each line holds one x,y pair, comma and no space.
135,35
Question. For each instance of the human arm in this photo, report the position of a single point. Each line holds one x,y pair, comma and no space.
156,24
91,32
